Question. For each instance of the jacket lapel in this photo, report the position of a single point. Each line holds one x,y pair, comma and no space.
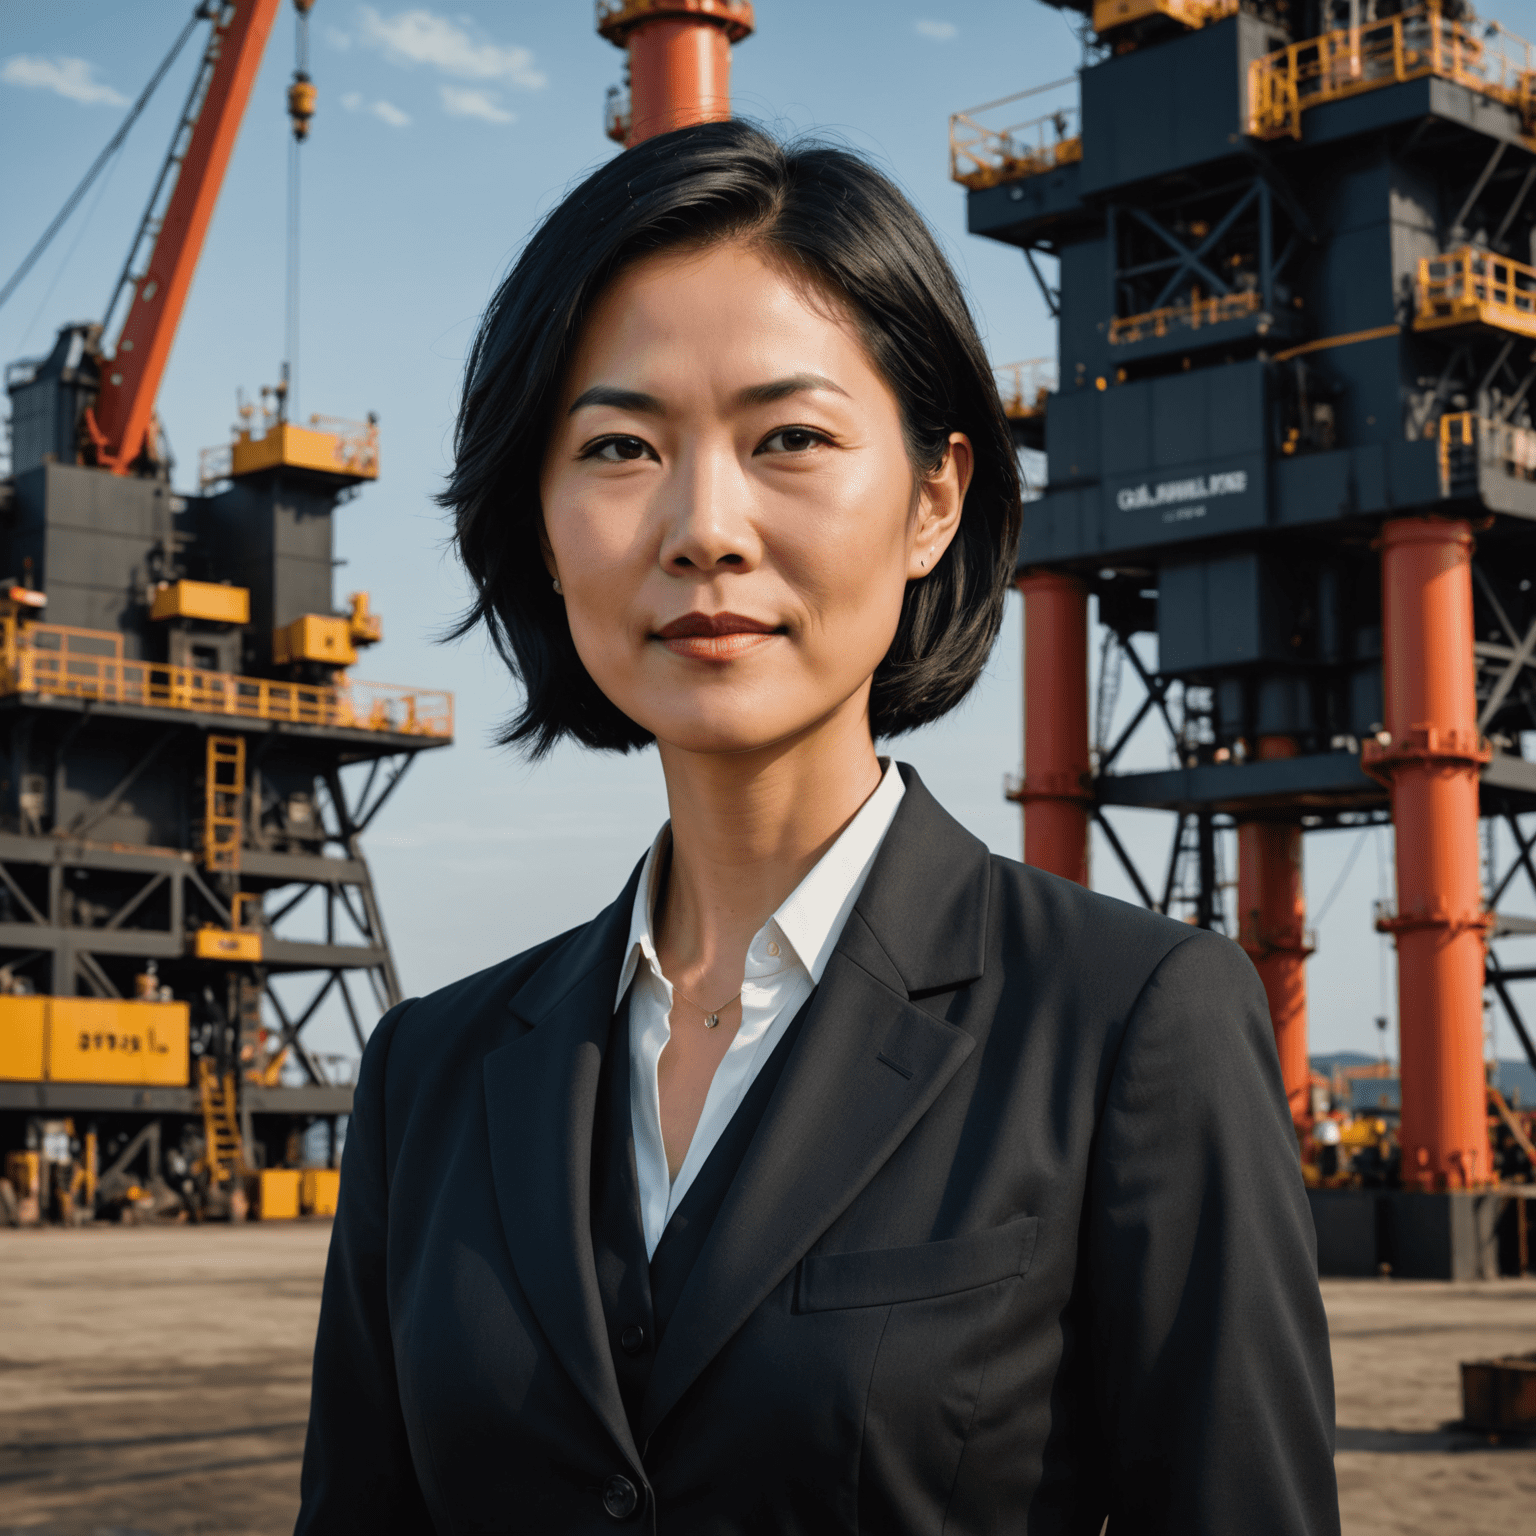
541,1095
867,1065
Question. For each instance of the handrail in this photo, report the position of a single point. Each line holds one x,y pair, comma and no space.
982,156
1408,46
1193,314
1467,286
1024,387
1500,443
65,662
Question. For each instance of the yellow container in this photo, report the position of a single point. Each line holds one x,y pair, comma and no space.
104,1040
279,1193
318,637
318,1191
208,600
226,944
23,1034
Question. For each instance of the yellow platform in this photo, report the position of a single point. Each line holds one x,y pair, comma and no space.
1473,287
349,456
1109,14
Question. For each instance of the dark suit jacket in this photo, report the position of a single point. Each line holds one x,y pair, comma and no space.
1019,1241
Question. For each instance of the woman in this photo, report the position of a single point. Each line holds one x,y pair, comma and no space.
838,1176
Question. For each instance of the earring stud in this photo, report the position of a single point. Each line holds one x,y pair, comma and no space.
558,588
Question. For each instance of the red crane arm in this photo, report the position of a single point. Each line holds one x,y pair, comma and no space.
131,380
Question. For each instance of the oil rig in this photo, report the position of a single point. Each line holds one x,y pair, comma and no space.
1290,436
188,763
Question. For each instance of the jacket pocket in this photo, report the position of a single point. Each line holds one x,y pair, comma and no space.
878,1277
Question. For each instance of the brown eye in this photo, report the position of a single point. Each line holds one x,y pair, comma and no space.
617,450
791,440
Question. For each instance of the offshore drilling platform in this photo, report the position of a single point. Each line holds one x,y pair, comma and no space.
1289,437
188,763
1292,437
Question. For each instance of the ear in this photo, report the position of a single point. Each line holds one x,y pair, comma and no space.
941,499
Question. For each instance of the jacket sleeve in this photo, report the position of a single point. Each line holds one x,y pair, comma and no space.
1212,1372
358,1474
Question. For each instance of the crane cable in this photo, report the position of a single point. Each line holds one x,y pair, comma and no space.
301,107
113,145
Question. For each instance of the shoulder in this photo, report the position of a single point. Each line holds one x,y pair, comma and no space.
1092,955
468,1016
1050,916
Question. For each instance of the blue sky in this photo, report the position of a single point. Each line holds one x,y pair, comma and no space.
440,139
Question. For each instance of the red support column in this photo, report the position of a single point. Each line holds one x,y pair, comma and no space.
1055,792
679,60
1430,758
1272,917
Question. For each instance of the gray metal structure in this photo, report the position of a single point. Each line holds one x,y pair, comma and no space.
1218,484
103,868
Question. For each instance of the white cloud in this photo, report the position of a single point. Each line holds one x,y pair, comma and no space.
423,37
461,101
939,31
338,39
385,111
72,78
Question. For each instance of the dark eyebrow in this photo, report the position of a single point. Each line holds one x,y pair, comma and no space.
781,389
619,399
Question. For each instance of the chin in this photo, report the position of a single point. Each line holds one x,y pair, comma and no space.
721,732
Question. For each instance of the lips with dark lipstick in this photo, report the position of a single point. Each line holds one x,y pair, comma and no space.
716,636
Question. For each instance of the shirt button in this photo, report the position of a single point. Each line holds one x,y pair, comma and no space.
620,1498
773,948
632,1340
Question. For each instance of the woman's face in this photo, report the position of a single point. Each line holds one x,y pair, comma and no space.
728,503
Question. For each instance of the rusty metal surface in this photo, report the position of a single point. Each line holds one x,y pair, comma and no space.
1500,1394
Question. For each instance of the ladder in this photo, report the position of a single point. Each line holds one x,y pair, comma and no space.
224,787
225,1154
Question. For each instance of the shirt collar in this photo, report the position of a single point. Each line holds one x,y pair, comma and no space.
812,916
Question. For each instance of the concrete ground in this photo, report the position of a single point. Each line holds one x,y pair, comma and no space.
154,1381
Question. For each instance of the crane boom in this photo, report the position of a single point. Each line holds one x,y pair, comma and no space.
131,379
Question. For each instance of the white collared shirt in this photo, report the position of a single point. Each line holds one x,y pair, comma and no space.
784,963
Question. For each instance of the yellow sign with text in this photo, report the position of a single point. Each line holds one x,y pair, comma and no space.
94,1040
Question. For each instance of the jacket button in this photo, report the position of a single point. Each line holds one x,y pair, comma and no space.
620,1498
632,1340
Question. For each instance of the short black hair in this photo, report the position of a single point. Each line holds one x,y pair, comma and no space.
837,220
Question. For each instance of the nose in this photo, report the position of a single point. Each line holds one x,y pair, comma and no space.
707,509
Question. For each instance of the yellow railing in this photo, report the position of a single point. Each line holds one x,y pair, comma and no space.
1510,448
1024,387
983,155
89,664
1409,46
1458,429
1470,287
1194,314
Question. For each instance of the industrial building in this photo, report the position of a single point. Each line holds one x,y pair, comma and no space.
1291,437
188,762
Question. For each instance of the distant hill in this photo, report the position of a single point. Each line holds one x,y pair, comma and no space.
1515,1078
1335,1059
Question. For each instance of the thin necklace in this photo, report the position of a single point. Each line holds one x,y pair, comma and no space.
711,1019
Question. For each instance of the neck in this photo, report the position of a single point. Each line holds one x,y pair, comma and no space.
748,827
